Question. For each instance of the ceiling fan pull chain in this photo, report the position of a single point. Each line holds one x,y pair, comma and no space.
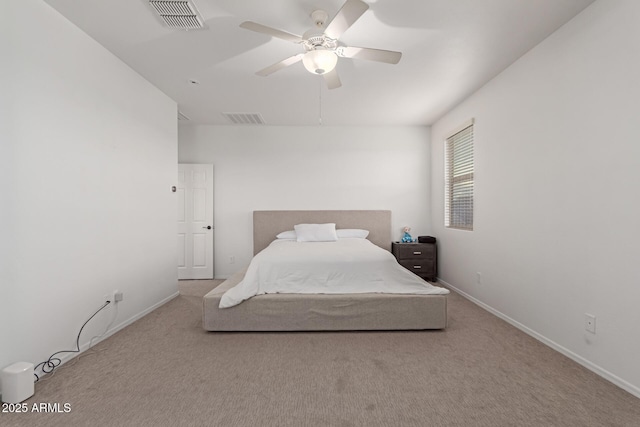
320,102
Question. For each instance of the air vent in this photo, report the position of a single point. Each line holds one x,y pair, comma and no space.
180,14
182,117
245,118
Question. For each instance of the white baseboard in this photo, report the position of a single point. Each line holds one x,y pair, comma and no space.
85,346
570,354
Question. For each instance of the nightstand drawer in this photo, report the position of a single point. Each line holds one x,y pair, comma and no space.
419,266
415,251
419,258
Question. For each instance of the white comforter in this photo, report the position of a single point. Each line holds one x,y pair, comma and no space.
342,267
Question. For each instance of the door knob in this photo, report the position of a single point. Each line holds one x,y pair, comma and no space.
208,227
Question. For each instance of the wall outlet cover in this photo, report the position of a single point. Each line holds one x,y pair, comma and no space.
590,323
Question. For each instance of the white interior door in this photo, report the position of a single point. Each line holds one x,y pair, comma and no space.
195,221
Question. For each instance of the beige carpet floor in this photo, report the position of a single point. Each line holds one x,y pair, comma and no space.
165,370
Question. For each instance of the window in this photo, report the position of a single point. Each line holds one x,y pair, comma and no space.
458,179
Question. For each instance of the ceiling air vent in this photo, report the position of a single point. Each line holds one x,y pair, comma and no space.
244,118
180,14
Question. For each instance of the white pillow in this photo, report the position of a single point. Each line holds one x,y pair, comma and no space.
316,232
289,234
352,232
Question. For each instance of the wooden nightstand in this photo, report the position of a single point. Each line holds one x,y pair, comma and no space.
420,258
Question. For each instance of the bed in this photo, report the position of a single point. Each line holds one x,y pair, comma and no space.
315,312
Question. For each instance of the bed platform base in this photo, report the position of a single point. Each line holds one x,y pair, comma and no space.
337,312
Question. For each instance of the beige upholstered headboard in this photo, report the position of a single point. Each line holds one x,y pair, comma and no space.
267,224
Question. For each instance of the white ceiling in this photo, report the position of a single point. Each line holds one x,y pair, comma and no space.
450,49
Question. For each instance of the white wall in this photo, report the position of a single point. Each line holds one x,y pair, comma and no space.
89,154
264,168
557,207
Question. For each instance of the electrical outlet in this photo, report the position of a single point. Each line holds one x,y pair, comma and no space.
479,278
590,323
114,297
117,296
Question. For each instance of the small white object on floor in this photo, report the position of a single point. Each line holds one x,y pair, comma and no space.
17,382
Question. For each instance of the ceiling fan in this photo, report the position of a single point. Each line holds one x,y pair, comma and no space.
321,45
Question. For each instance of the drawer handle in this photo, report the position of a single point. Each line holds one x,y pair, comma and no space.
417,253
417,266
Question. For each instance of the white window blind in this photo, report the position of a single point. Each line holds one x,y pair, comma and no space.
458,204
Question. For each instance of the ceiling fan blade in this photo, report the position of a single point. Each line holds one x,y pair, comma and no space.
346,16
263,29
280,65
388,56
332,79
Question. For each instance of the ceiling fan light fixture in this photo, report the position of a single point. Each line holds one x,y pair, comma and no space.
320,61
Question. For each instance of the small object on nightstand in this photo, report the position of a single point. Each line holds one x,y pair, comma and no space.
426,239
419,258
406,238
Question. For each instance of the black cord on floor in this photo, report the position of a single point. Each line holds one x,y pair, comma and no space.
53,362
